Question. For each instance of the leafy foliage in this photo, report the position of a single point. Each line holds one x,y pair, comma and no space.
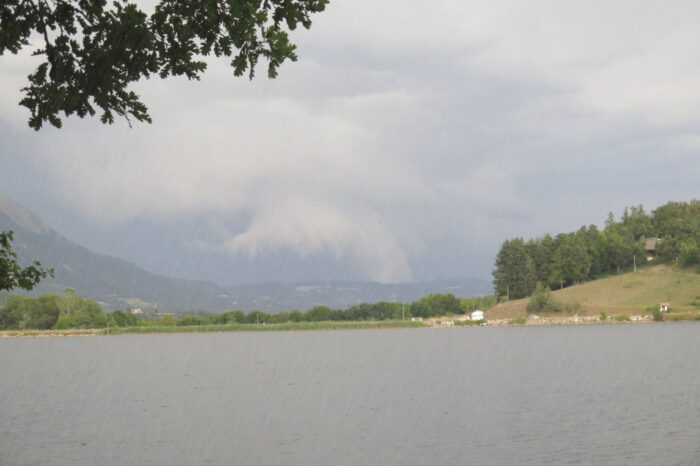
435,305
71,311
590,253
319,314
12,275
42,312
479,303
541,300
122,319
52,311
95,49
688,253
469,323
516,272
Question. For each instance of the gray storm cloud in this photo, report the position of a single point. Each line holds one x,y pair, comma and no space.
311,226
409,141
296,183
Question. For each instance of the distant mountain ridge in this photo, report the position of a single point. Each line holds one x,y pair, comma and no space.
21,215
119,284
112,281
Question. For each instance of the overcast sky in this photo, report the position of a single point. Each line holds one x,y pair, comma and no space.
409,140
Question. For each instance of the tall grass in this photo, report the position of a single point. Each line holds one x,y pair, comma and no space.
469,323
326,325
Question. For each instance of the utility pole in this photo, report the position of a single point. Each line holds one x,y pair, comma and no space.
403,311
635,262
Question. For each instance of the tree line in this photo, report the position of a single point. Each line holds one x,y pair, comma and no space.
68,310
53,311
590,253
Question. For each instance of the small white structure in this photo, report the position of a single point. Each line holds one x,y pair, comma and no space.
663,307
478,315
137,311
416,319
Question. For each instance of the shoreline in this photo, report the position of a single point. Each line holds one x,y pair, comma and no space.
532,321
224,328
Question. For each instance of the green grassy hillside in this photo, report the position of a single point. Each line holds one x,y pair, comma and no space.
629,293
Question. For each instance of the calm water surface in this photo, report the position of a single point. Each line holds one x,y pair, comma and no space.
615,394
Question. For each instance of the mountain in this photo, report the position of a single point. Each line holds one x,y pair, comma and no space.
112,281
119,284
340,295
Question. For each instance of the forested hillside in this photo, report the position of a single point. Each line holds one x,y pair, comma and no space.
588,253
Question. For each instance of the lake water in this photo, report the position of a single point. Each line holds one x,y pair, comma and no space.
610,394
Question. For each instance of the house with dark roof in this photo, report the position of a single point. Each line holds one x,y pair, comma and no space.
650,246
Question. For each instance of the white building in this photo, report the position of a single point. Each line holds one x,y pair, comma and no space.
478,315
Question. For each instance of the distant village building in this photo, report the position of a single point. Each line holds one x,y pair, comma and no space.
137,311
650,247
478,315
663,307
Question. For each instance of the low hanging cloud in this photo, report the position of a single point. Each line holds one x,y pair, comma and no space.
300,182
311,226
409,142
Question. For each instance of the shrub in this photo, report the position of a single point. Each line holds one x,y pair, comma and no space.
43,312
122,319
234,317
603,316
658,315
689,254
319,314
279,318
168,320
13,312
257,317
188,321
471,304
65,322
436,305
571,307
468,323
83,312
622,318
52,311
518,321
541,300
